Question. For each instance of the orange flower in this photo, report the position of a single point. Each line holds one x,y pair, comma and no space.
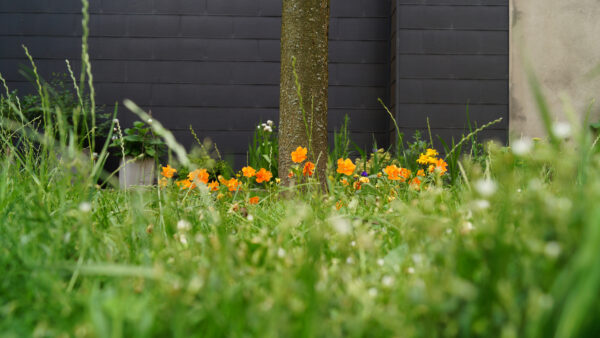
248,171
299,155
233,184
263,175
345,167
397,174
200,175
168,171
392,172
421,173
344,181
404,174
309,169
339,205
356,185
290,174
186,184
213,186
431,168
442,166
415,183
222,180
254,200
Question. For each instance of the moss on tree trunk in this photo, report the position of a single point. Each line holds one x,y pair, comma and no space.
304,37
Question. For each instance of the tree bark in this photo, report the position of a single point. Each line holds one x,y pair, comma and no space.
305,39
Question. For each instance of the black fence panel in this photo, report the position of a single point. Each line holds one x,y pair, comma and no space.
449,61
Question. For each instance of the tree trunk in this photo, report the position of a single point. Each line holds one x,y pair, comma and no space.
303,118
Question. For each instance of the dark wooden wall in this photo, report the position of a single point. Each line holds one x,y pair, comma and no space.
213,64
445,55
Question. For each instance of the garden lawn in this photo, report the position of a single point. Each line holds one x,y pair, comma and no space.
511,251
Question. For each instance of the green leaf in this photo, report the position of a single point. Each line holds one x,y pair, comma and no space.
132,138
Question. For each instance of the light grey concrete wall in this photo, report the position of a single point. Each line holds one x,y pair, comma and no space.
560,40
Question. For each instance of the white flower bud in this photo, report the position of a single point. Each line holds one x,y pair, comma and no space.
485,187
522,146
85,207
183,225
561,130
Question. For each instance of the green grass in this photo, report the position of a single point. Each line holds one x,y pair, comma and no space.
448,261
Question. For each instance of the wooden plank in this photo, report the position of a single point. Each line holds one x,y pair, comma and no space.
451,115
452,42
454,2
489,67
453,17
453,91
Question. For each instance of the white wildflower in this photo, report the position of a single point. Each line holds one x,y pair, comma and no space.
350,260
521,146
387,281
150,121
341,225
116,120
268,129
280,253
486,187
85,207
380,262
353,243
183,240
466,228
270,123
183,225
250,217
561,130
410,270
552,249
481,204
372,292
